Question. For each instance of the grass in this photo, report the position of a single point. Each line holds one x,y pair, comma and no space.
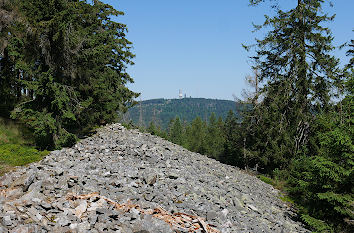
280,185
14,133
276,183
16,146
18,155
266,180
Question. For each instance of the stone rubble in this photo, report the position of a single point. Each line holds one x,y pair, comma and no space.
126,181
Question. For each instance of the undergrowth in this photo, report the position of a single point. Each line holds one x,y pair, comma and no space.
16,146
18,155
280,185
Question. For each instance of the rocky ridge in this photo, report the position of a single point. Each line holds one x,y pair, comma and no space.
123,180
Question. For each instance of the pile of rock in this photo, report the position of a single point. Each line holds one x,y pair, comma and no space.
122,180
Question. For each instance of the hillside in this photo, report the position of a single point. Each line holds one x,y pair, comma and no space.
161,111
122,180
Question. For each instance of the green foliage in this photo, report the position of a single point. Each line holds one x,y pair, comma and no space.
63,69
152,129
215,138
293,132
161,111
316,224
266,179
14,133
277,183
16,146
233,147
199,136
286,198
196,136
17,155
176,132
297,73
323,183
156,130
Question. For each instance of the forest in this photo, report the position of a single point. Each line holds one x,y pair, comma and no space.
63,73
161,111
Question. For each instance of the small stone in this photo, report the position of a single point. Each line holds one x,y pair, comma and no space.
34,214
15,193
135,212
63,221
134,184
59,172
107,173
144,147
225,212
73,226
92,219
20,229
253,208
173,176
36,200
211,215
5,180
152,180
46,206
29,181
20,208
6,220
81,208
84,226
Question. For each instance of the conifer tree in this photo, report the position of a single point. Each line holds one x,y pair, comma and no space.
69,72
295,127
9,73
176,132
231,151
152,128
197,136
214,137
297,72
322,180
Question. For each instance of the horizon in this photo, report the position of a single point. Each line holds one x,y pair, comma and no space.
196,45
187,97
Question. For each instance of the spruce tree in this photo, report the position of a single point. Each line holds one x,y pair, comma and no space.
176,132
197,136
9,52
232,147
297,72
152,128
214,137
69,72
322,181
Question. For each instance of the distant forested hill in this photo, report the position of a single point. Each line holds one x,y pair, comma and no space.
161,111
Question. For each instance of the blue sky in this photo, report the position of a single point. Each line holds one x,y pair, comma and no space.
195,45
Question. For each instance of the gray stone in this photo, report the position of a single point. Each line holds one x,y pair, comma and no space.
6,220
63,221
46,205
73,226
253,208
129,167
5,180
83,227
211,215
29,181
21,229
34,214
